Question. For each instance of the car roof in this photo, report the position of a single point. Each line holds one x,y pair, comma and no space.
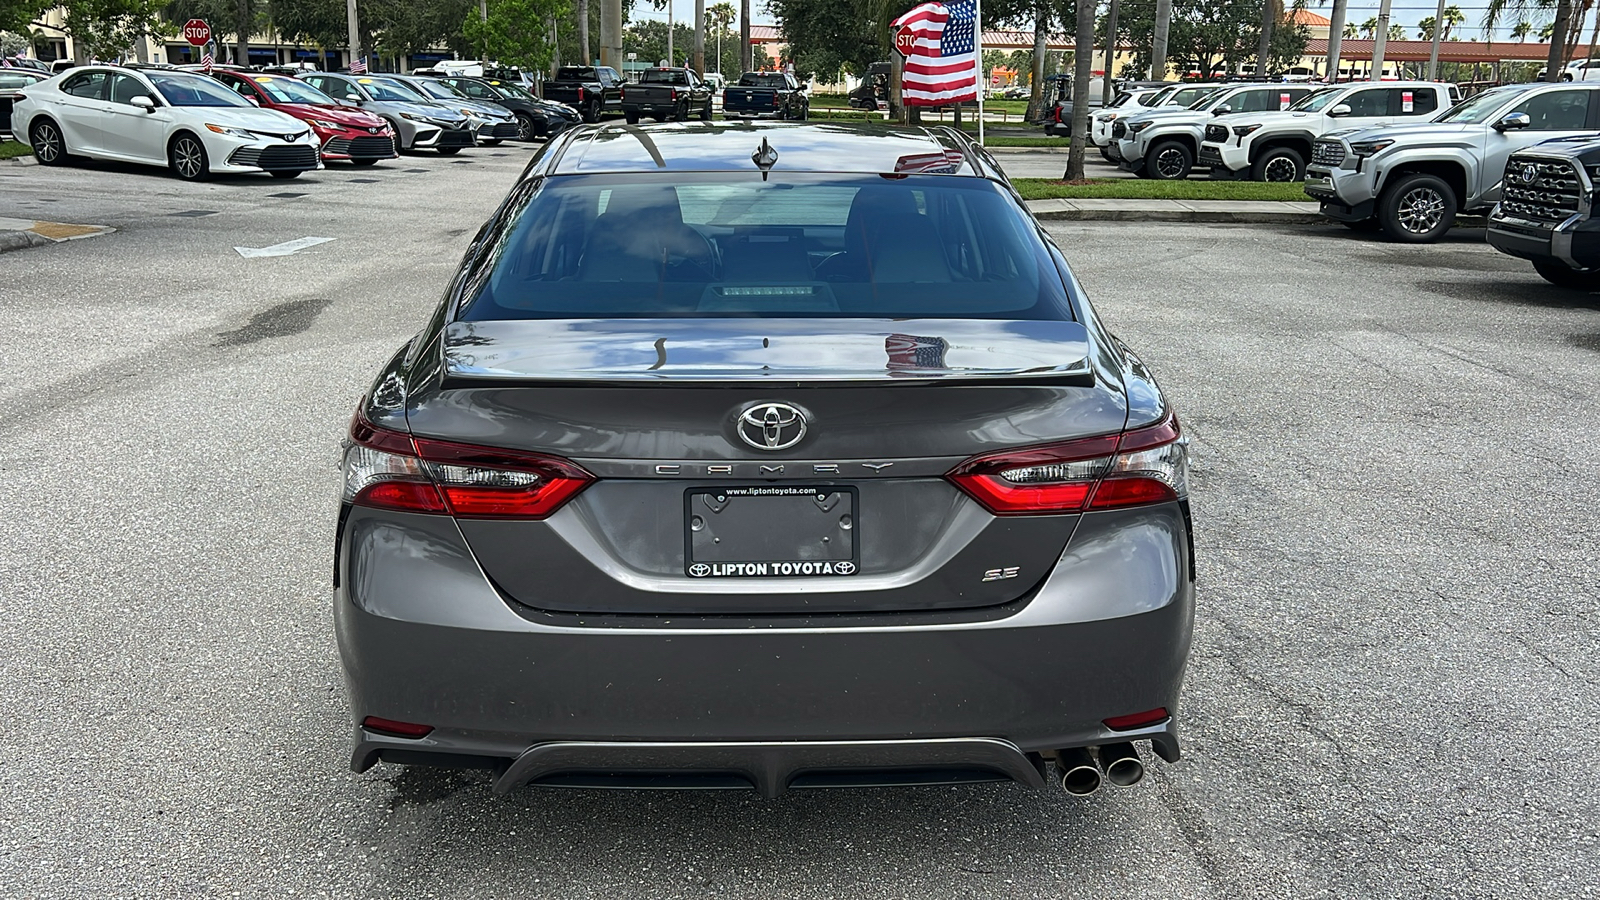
728,146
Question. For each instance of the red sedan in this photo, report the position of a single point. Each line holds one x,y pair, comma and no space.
345,133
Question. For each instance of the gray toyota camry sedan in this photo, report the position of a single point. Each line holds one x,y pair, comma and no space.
765,456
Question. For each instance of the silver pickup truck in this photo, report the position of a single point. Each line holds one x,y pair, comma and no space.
1412,180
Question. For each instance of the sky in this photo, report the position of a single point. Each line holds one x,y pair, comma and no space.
1402,12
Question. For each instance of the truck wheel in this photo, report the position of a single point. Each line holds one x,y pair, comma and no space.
591,113
705,114
1561,276
1169,161
1417,209
681,112
805,112
1105,154
1280,164
632,117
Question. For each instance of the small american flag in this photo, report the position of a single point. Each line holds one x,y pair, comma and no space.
942,67
358,66
206,62
6,63
910,351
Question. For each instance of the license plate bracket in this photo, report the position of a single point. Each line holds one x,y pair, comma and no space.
771,531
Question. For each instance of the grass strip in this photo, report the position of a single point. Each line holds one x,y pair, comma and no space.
1142,189
12,150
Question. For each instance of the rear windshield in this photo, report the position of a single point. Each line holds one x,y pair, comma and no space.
758,79
663,76
576,73
649,246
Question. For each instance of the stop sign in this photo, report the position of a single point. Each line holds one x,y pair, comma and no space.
905,40
197,32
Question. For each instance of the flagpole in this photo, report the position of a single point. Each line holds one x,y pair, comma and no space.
977,24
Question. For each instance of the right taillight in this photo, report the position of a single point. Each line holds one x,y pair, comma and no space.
1145,465
390,470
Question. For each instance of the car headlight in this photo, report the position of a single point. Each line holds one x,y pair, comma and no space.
1136,127
332,126
1242,130
230,132
1368,148
469,113
420,118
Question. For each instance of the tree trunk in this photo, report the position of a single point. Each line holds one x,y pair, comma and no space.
1041,34
583,32
1269,18
1111,54
1082,62
1158,45
1558,41
1335,35
700,37
242,20
746,57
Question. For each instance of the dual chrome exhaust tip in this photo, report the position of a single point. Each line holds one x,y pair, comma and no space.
1081,773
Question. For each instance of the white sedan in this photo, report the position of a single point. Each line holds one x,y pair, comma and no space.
163,117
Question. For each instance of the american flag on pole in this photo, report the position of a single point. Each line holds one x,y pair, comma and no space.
6,63
206,61
358,66
943,66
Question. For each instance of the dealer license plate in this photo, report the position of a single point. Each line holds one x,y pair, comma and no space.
771,531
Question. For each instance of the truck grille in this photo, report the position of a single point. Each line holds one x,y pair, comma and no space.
1217,134
291,156
1327,153
1539,190
1119,130
361,147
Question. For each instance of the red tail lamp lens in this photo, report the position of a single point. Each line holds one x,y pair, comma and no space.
391,470
1138,720
392,728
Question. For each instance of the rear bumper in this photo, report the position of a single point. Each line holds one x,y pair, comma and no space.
425,638
750,114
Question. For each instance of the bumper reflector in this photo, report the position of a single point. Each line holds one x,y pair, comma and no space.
1137,720
396,729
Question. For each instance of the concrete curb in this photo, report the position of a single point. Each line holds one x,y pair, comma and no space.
19,161
1238,212
21,240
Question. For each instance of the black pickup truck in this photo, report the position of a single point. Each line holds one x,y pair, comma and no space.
666,93
591,90
765,95
1545,214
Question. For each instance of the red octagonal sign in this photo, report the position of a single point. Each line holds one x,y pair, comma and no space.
905,40
197,32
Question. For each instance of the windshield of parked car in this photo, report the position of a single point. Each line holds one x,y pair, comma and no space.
731,244
1209,100
663,76
181,89
290,90
1316,100
762,79
436,89
390,91
1478,109
514,90
1188,95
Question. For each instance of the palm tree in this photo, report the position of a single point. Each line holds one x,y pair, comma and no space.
1560,29
1369,28
719,16
1397,32
1453,16
1425,29
1520,30
1351,31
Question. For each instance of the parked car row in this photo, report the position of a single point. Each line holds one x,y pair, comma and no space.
237,121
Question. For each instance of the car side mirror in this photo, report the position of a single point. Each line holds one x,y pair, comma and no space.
1342,109
144,103
1512,122
1222,110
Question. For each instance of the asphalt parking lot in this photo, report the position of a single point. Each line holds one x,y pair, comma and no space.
1393,691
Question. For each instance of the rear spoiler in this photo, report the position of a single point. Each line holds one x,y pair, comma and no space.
788,352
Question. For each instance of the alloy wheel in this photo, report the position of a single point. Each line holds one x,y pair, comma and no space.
188,157
1420,210
1169,163
524,128
47,143
1280,169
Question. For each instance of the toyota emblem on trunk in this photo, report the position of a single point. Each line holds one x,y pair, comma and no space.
772,426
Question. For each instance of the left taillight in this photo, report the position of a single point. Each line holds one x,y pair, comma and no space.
1145,465
386,469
